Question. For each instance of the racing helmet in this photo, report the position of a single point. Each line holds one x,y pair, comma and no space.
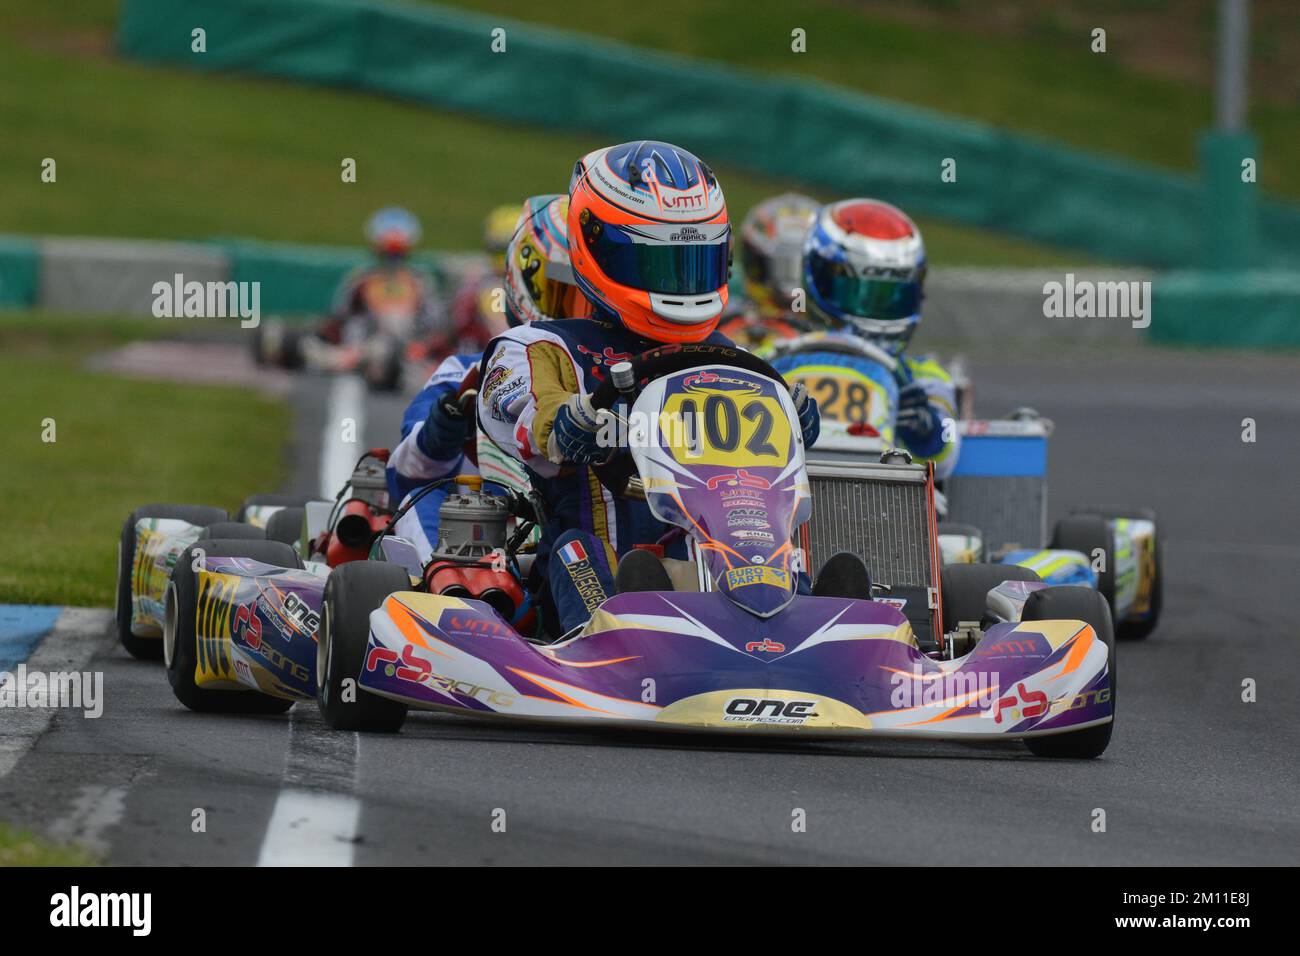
864,270
539,280
393,232
498,230
650,242
771,251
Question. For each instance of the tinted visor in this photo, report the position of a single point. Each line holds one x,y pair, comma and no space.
670,259
869,297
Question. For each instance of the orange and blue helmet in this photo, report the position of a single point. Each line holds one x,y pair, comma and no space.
393,232
649,239
539,281
864,270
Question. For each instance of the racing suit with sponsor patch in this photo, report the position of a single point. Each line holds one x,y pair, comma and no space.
527,374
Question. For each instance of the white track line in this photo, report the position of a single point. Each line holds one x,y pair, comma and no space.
76,636
347,401
312,823
310,829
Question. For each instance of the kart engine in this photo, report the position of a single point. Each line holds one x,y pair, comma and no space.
470,560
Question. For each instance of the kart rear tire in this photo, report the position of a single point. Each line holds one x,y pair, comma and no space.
964,589
234,530
382,365
1136,630
278,501
148,648
1088,533
179,637
1072,602
286,525
351,593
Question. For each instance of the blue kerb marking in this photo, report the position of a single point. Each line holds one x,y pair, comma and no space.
21,628
997,456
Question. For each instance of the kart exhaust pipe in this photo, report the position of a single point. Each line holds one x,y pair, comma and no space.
354,528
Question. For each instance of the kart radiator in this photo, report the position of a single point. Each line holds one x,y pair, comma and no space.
880,512
1000,482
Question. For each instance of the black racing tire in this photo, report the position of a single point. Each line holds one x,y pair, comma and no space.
965,588
385,374
279,501
1088,533
148,648
1136,630
351,593
178,632
232,530
1071,602
286,525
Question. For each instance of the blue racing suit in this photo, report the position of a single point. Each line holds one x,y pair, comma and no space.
411,466
852,388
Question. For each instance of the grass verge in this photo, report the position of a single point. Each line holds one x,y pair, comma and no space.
20,848
188,155
118,444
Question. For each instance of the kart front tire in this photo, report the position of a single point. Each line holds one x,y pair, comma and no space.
964,589
234,530
286,525
148,648
1071,602
1088,534
179,639
351,593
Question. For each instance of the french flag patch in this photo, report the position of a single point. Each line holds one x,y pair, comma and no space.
573,552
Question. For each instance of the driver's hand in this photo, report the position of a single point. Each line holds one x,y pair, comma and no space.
810,416
576,435
445,430
914,412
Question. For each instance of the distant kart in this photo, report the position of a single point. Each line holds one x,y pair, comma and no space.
389,328
715,451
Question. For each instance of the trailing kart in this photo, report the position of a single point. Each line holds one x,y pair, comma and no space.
153,539
714,452
995,503
237,607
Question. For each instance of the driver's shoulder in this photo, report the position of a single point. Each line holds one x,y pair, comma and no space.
925,367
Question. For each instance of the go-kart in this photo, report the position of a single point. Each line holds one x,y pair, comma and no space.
994,505
713,445
388,327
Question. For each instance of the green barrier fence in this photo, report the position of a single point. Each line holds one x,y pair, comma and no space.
1239,310
20,271
794,129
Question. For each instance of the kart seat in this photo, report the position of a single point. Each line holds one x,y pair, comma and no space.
641,571
844,575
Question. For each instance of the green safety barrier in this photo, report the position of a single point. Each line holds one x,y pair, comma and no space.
794,129
20,271
1232,309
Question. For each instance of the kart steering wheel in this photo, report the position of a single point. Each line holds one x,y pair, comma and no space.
655,364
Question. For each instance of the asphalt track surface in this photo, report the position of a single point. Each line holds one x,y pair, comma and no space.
1194,775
